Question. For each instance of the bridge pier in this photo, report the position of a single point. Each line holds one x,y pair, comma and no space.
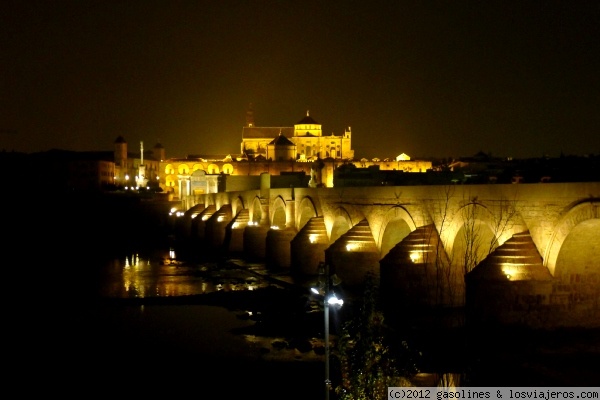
255,242
416,273
308,248
353,256
234,235
216,227
277,251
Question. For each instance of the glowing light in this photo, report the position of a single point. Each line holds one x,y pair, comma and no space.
204,217
333,300
510,272
235,225
194,216
274,227
351,246
415,256
312,237
220,219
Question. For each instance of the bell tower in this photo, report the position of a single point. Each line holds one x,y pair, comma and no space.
250,116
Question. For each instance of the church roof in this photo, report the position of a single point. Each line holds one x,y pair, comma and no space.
308,120
282,141
265,132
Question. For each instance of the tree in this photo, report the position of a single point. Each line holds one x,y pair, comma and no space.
368,364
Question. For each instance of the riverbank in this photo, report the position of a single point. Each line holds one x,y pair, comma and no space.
277,325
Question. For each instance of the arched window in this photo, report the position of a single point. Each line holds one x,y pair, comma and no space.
228,169
197,167
183,169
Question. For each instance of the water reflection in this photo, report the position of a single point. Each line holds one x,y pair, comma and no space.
161,274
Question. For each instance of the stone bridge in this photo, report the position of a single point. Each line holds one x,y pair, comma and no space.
517,253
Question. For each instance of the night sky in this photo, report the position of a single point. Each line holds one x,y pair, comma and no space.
425,78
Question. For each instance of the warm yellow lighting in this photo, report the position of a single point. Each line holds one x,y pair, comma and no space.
194,216
220,219
312,237
351,246
204,217
509,272
274,227
235,225
414,256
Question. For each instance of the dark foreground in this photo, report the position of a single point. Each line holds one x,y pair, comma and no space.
177,347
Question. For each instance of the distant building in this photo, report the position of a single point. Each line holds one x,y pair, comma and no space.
298,155
306,135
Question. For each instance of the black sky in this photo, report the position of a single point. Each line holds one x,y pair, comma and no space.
426,78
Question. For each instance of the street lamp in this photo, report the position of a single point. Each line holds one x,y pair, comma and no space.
329,299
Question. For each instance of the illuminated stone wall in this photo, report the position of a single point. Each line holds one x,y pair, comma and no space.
562,222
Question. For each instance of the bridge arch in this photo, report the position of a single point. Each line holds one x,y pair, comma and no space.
256,212
306,210
237,205
474,237
211,200
342,223
575,238
397,223
278,214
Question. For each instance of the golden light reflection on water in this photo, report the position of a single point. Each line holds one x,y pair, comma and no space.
139,276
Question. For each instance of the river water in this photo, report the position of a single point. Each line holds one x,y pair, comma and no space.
137,326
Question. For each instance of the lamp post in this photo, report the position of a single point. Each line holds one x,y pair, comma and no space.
329,299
